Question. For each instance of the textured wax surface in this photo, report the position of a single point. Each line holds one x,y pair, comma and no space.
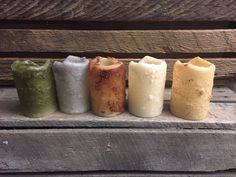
192,88
72,85
35,88
146,87
107,86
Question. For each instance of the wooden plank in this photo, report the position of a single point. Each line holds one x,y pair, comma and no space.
124,174
225,67
221,116
117,150
123,41
119,10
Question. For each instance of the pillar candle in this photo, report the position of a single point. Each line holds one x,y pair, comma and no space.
71,84
107,86
192,88
35,88
146,87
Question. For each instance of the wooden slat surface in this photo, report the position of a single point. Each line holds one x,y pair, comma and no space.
119,10
225,67
124,41
125,174
221,116
117,150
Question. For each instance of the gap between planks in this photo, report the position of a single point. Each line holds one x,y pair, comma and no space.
113,25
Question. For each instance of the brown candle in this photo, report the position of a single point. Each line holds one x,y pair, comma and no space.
107,86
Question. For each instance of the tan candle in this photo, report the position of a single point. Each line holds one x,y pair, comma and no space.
192,88
107,86
146,87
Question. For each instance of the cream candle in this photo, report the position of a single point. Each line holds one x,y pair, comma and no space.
192,88
107,86
35,88
71,84
146,87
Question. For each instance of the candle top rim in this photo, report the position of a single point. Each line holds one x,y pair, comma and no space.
149,61
28,65
197,63
105,63
72,60
152,60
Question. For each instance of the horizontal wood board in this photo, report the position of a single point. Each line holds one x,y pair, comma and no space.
119,10
118,41
124,174
221,116
225,67
51,150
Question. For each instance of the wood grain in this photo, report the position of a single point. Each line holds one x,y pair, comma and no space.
123,41
221,116
119,10
124,174
225,67
117,150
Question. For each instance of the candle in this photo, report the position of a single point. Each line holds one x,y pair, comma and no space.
35,88
71,84
107,86
192,88
146,87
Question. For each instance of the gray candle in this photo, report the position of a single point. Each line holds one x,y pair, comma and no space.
71,84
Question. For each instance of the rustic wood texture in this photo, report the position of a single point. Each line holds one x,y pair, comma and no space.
124,174
221,116
117,150
225,67
119,10
123,41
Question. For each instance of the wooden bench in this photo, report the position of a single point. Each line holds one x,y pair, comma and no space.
87,145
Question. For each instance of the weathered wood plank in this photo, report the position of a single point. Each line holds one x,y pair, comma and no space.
225,67
119,10
123,41
124,174
117,150
221,116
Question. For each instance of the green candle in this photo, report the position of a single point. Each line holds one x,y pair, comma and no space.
35,88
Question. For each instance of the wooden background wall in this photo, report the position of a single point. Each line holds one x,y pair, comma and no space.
126,29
